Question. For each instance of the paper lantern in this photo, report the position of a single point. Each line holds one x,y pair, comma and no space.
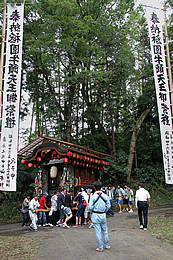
96,161
54,153
77,163
93,160
58,156
23,161
69,154
53,172
77,156
69,161
74,155
34,166
65,160
39,159
80,157
30,165
73,162
43,155
84,158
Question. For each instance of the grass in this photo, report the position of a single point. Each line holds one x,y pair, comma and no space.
161,227
16,247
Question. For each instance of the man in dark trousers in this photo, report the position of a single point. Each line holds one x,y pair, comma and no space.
142,196
98,206
60,203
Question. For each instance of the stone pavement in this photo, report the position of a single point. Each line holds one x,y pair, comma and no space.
126,239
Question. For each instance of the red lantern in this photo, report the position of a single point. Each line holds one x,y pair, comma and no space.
69,154
83,164
95,167
39,159
96,161
65,160
93,160
92,166
87,165
90,159
74,155
73,162
80,157
34,166
30,165
69,161
84,158
54,153
77,156
23,161
43,155
101,162
101,169
58,156
77,163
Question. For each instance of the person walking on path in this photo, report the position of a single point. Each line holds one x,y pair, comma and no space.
25,210
80,206
142,196
33,206
130,199
125,199
120,194
98,206
110,193
53,211
60,203
42,213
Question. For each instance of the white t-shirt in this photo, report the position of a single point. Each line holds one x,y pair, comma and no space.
142,194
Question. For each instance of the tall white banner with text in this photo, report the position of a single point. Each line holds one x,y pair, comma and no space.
162,89
11,98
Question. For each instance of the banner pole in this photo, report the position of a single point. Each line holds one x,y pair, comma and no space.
168,59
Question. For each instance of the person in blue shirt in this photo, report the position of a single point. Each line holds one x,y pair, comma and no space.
80,208
98,206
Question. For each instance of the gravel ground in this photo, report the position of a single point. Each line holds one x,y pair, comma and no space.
126,239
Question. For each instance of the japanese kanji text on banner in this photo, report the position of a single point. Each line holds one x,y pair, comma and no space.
162,90
11,99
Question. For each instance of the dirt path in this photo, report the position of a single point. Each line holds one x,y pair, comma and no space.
126,239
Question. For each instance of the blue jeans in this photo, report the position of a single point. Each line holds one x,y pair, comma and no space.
101,227
40,215
110,212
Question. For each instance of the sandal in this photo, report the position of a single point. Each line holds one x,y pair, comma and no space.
99,250
109,247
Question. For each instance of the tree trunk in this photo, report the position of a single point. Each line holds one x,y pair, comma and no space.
134,138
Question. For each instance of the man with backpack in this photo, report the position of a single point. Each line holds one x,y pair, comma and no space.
98,206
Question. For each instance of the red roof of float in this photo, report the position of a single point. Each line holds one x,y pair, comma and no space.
63,148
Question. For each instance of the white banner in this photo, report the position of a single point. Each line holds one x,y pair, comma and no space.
162,89
11,98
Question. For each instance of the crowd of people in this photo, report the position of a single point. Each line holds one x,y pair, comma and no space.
90,205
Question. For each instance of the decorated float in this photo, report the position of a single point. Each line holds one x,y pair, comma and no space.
62,165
